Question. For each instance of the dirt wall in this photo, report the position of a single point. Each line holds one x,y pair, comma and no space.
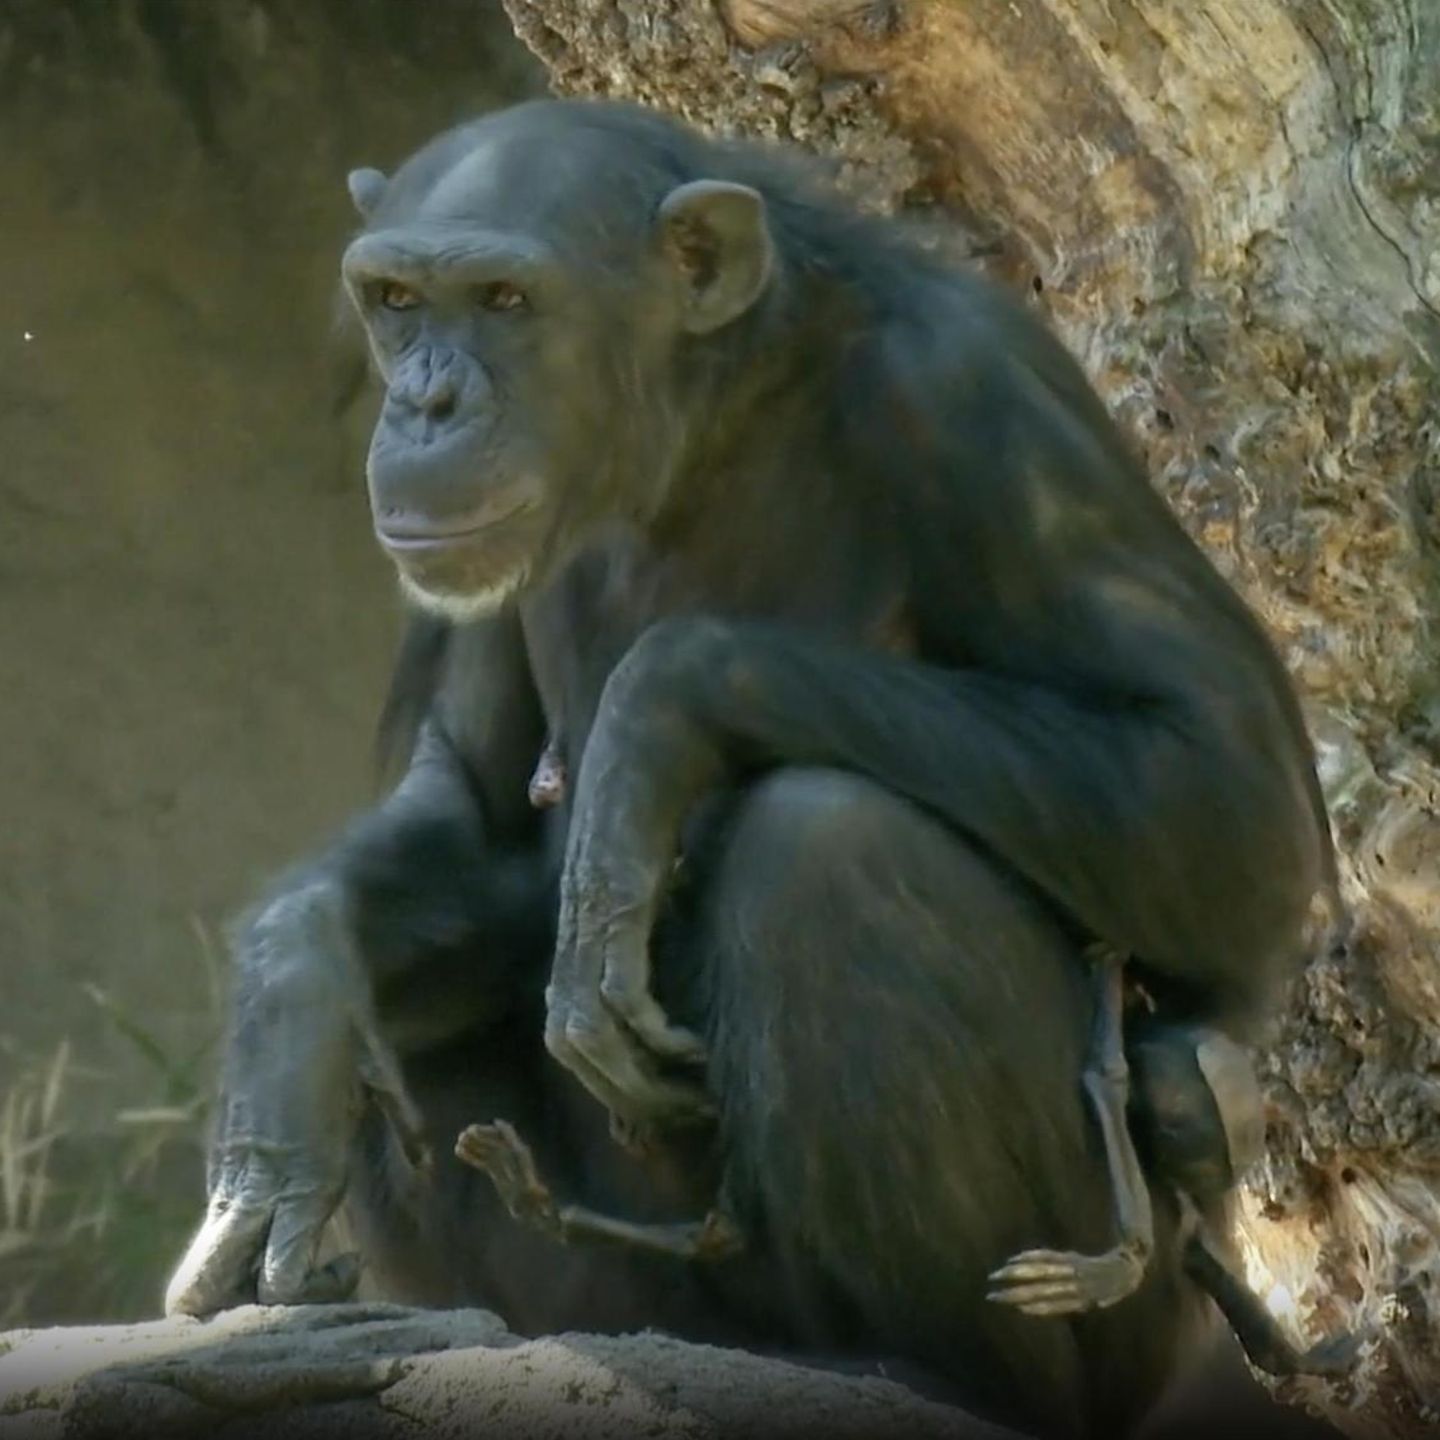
194,620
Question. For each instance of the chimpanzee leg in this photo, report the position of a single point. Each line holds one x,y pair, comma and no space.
1198,1114
895,1029
1200,1122
1266,1346
498,1151
1200,1111
410,927
1052,1282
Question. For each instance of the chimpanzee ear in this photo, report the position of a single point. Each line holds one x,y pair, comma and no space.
367,190
716,235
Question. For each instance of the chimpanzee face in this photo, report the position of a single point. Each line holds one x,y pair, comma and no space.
524,301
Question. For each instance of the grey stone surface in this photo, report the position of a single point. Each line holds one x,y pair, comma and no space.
373,1372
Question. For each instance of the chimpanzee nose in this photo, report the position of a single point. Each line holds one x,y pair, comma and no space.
430,385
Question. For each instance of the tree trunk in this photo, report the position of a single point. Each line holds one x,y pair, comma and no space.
1230,209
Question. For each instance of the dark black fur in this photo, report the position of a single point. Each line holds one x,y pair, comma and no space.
862,587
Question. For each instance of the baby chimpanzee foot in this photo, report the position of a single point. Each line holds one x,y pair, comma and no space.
498,1151
1060,1282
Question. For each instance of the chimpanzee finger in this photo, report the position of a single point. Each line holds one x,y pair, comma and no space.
218,1269
1048,1309
1023,1297
632,1096
333,1282
1039,1265
288,1269
380,1071
603,1059
629,1000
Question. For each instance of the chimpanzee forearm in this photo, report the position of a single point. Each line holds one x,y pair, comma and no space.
447,882
415,879
418,922
1065,789
428,884
1056,786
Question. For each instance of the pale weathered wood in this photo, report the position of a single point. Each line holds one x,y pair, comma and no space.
757,23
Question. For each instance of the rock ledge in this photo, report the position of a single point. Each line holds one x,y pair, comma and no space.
367,1371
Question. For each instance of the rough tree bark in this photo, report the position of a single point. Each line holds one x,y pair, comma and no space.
1231,211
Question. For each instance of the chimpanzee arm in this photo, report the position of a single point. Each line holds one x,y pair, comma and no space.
329,969
1172,827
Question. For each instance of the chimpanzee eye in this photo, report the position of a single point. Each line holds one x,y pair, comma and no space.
394,295
500,295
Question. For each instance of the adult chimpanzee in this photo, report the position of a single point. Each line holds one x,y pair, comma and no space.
889,688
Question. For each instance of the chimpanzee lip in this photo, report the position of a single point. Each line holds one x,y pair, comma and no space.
428,540
424,533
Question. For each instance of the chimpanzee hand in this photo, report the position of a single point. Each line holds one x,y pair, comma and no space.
642,766
303,1050
603,1024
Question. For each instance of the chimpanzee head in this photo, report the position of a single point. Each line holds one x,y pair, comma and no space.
539,289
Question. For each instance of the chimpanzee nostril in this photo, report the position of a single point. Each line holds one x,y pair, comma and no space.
434,387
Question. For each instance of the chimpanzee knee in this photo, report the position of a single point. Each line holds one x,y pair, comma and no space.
1196,1107
860,956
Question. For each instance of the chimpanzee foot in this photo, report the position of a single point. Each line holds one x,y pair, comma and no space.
1329,1359
500,1153
1265,1344
1060,1282
718,1238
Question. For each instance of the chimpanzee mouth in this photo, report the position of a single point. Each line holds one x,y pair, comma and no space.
408,531
466,563
428,540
